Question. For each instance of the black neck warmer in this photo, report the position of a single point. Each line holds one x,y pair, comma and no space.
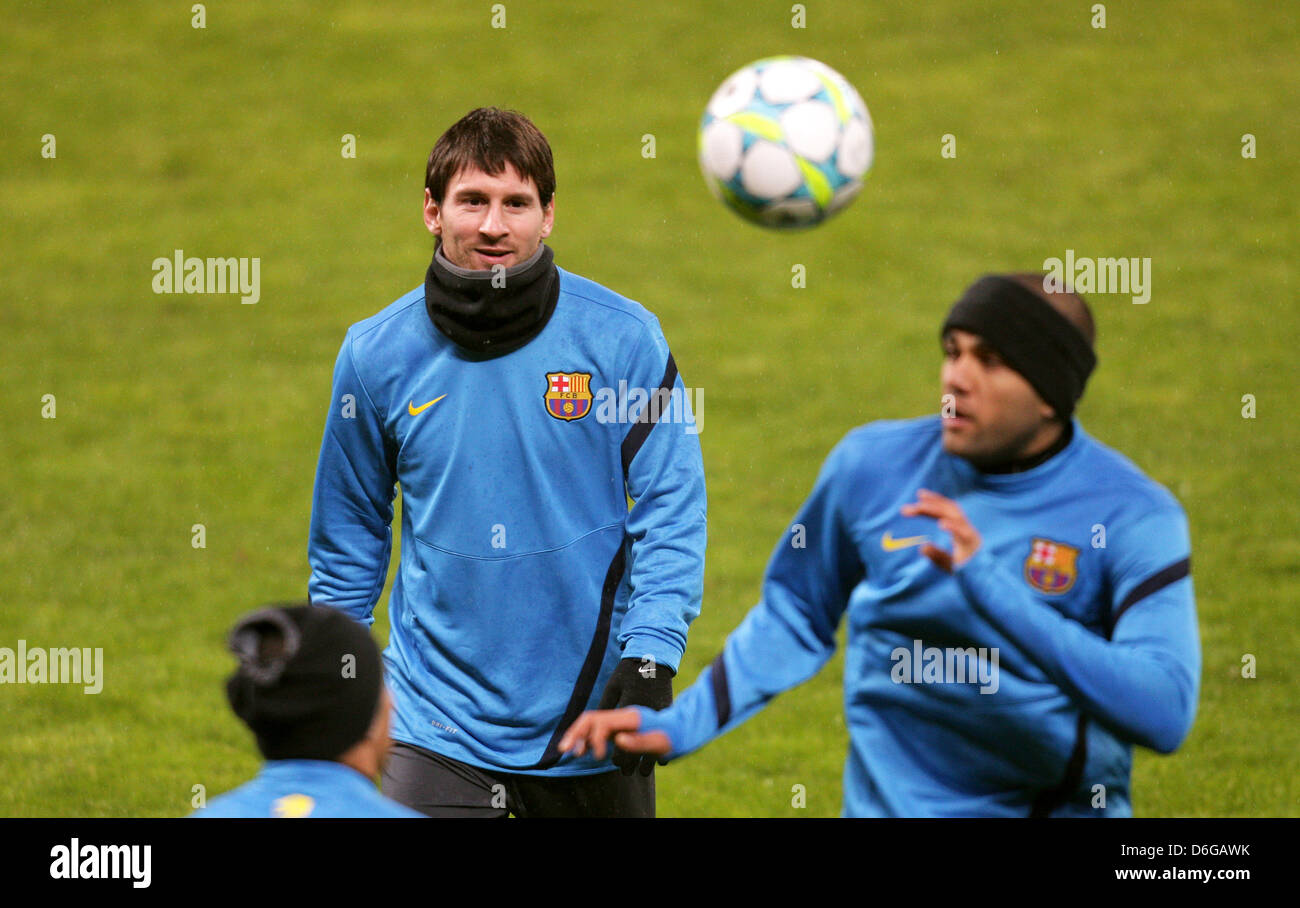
488,320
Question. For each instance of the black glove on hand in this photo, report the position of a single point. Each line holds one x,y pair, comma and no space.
637,682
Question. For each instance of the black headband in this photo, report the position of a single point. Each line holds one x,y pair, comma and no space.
1034,339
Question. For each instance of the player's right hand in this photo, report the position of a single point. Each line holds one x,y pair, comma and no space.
595,728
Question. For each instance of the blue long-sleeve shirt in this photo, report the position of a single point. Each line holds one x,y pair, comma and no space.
525,574
295,789
1016,685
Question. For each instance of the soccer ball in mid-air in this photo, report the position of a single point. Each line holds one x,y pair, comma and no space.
785,142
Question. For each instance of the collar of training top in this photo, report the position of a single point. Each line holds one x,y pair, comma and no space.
491,313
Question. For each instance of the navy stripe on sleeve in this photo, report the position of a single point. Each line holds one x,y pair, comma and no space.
640,430
1048,801
721,693
1153,584
1054,798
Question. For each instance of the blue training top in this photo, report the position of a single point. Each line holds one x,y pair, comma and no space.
305,788
525,574
1016,685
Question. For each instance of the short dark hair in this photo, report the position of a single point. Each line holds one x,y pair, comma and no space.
488,138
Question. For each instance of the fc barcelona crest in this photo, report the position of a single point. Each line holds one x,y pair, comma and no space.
568,394
1051,566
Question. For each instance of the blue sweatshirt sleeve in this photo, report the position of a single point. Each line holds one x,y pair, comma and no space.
350,539
1143,681
667,522
788,636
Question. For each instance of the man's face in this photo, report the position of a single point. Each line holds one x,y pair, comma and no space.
999,415
487,220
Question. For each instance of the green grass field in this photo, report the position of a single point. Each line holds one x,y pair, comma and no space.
176,410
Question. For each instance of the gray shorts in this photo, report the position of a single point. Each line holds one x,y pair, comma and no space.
438,786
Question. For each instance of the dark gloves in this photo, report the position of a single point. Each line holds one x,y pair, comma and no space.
637,682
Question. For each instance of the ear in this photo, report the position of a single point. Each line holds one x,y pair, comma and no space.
548,217
432,214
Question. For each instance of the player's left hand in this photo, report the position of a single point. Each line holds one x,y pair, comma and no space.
637,682
594,728
952,520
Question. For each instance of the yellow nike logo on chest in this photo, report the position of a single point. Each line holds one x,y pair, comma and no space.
416,411
890,544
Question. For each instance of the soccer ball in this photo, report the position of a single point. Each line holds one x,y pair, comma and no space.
785,142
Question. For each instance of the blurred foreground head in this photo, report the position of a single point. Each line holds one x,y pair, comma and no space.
309,684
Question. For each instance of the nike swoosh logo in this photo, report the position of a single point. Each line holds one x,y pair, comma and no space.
416,411
890,544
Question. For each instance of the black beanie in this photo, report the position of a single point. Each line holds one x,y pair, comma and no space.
308,682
